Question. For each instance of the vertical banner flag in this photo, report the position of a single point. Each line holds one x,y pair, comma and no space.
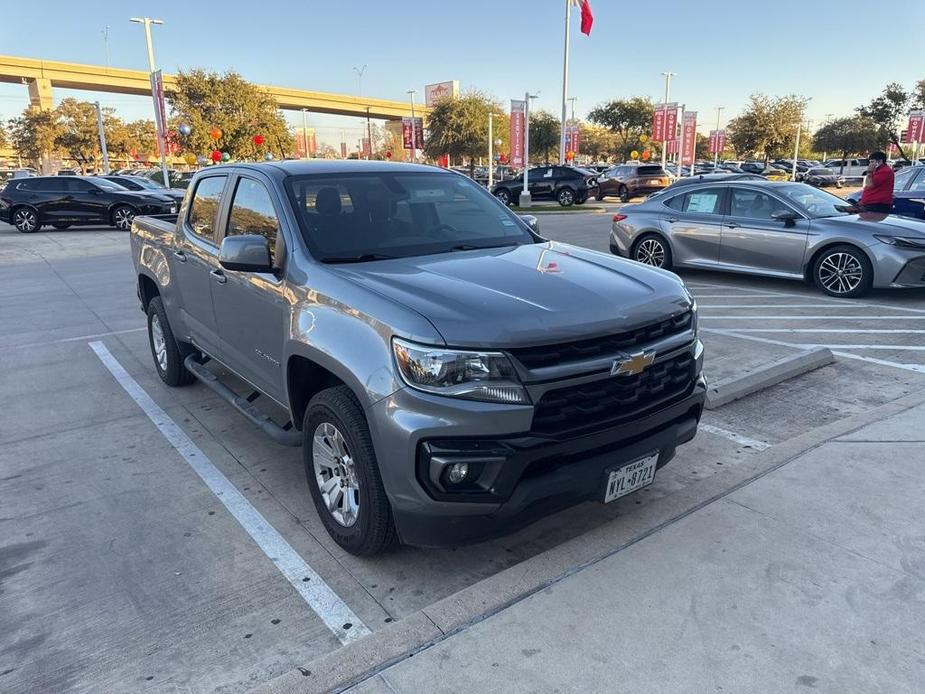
407,130
717,141
160,110
572,138
671,146
916,126
671,121
343,150
658,124
518,108
689,138
418,142
366,148
587,19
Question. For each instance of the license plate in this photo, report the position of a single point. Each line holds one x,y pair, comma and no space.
630,477
655,182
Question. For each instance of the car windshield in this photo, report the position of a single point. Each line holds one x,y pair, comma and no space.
821,172
105,184
370,216
816,203
148,183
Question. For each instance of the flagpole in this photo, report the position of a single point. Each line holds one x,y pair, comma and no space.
568,15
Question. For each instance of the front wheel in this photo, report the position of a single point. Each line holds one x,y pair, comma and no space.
26,220
343,474
503,195
652,250
844,272
839,184
624,194
566,197
122,217
167,352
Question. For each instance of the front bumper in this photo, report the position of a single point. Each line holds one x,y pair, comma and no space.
527,476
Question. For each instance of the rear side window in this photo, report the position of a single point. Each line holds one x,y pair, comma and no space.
204,207
650,171
40,185
703,201
252,212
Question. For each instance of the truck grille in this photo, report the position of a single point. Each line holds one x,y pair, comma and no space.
614,400
566,352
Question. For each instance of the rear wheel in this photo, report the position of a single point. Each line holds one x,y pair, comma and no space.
652,249
503,195
122,217
168,354
566,197
25,220
624,194
843,271
343,474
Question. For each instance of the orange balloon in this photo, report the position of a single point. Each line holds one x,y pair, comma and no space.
215,133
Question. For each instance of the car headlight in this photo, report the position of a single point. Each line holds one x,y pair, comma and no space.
901,242
475,375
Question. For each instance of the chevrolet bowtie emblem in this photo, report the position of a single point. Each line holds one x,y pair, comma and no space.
633,365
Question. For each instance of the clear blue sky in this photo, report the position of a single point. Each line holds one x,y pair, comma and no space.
315,44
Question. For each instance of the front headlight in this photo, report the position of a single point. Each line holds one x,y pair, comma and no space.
485,376
901,242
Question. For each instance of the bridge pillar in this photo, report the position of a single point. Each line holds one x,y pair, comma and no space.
40,94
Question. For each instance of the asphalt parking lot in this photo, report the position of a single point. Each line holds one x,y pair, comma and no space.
124,566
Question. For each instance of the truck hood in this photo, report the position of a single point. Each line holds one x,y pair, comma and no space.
524,295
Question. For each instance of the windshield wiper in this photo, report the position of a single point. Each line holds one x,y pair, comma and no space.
363,258
470,247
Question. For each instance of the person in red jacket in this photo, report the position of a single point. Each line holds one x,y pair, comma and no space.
878,186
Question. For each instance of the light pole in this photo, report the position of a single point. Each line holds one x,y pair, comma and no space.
525,200
369,135
491,157
161,136
796,147
668,76
304,134
414,144
105,33
102,133
360,71
719,110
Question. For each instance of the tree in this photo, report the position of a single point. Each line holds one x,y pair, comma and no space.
459,127
918,95
627,119
887,111
34,134
768,126
544,134
78,135
851,135
703,148
597,142
4,140
135,138
207,100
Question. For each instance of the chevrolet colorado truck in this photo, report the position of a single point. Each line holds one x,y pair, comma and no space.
449,374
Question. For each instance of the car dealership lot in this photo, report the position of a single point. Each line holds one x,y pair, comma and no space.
122,569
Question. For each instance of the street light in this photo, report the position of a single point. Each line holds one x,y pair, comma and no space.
360,71
414,144
796,148
719,110
147,22
525,199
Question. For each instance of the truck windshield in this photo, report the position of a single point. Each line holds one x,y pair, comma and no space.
368,216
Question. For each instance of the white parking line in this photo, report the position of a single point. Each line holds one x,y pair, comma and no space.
736,438
918,368
863,331
822,318
82,338
702,306
333,611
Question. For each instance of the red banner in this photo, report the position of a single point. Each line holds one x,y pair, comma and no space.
407,133
689,138
572,140
343,150
717,141
671,147
916,126
418,133
518,109
658,124
366,149
671,122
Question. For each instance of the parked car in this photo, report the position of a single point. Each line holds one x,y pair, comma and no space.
567,185
64,201
449,374
9,174
822,177
141,183
69,172
707,178
178,179
628,181
788,230
849,168
908,192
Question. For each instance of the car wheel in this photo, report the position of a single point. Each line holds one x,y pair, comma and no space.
599,197
624,194
839,184
61,226
343,475
167,352
25,220
565,197
582,200
843,271
122,217
652,249
503,195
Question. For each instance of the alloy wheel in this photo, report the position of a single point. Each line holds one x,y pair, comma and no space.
123,218
651,252
566,197
840,273
335,474
160,344
25,220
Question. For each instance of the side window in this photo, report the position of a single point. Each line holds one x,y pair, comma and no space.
919,183
676,203
73,184
204,206
752,204
706,201
252,212
902,178
44,185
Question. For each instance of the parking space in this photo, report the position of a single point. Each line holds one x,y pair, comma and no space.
160,547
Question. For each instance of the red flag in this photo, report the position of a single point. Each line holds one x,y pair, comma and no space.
587,19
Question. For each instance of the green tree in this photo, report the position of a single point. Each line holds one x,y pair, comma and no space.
847,136
768,125
918,94
627,119
78,136
4,139
459,127
241,110
34,134
888,111
544,134
139,136
597,142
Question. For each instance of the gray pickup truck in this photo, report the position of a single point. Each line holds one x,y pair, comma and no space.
449,374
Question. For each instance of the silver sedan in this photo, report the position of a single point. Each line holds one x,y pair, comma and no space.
777,229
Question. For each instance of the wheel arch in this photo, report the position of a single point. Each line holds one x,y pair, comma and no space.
305,378
811,262
651,231
20,205
116,205
147,290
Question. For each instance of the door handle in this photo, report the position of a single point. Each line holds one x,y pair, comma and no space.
180,255
219,276
672,220
732,225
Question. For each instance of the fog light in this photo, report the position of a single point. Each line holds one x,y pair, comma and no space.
457,473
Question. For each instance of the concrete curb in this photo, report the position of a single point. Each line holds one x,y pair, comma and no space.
340,669
724,392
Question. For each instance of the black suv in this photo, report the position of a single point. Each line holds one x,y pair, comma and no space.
63,201
631,180
567,185
146,184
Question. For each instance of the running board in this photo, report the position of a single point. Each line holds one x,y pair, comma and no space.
282,436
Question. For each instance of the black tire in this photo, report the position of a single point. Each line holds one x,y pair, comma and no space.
172,371
839,184
61,226
843,271
581,200
25,219
503,195
653,250
122,217
599,197
624,194
373,529
566,197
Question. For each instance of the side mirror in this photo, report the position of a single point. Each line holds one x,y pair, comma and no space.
788,217
531,222
246,253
